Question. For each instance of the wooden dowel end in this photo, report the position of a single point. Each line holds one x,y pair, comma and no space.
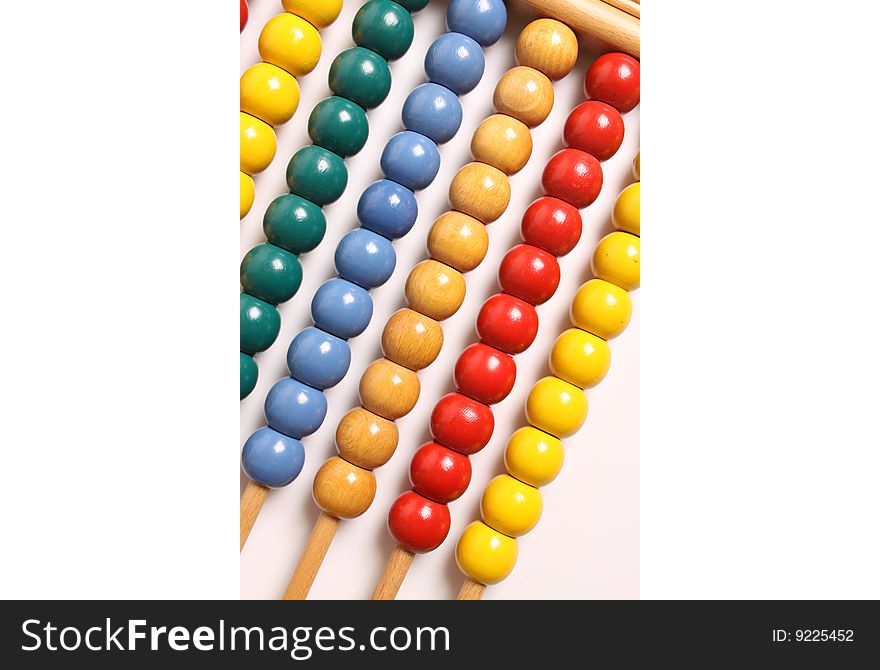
395,572
251,503
471,590
596,19
312,557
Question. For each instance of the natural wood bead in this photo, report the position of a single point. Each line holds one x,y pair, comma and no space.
458,240
502,142
343,490
366,439
435,289
388,389
411,339
480,191
549,46
525,94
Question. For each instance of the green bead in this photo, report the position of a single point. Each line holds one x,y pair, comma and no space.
247,375
384,27
317,174
413,5
294,223
258,324
270,273
362,76
339,125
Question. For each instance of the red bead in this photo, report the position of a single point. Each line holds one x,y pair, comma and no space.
596,128
551,224
614,78
484,374
529,273
574,176
417,524
507,323
244,14
439,473
461,423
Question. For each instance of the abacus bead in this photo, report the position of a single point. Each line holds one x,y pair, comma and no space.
258,326
507,323
484,374
360,75
410,159
511,506
342,308
616,260
387,208
413,5
551,224
458,240
339,125
482,20
269,93
317,175
601,308
342,489
435,289
439,473
317,358
502,142
433,111
291,43
484,554
614,78
411,339
580,358
525,94
637,166
388,389
272,459
533,456
320,13
596,128
556,407
626,215
256,144
242,14
365,258
481,191
456,62
294,409
573,176
366,439
270,273
418,524
548,46
383,26
461,423
294,223
247,374
529,273
245,194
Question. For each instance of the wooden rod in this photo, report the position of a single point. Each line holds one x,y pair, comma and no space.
631,7
251,503
312,557
595,18
471,590
395,572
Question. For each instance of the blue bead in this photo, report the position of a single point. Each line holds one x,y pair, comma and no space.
433,111
483,20
342,308
365,258
317,358
295,409
456,62
388,208
272,459
411,160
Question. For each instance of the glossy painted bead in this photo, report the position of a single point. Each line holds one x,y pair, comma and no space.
388,389
556,407
548,46
484,374
339,125
245,194
580,358
294,409
269,93
551,224
525,94
461,423
270,273
626,215
242,14
637,166
365,258
410,159
596,128
511,506
439,473
484,554
317,358
502,142
482,20
435,289
616,260
256,144
614,78
507,323
573,176
317,175
366,439
320,13
383,26
272,459
481,191
418,524
413,5
411,339
456,62
601,308
533,456
294,223
342,489
387,208
362,76
529,273
291,43
433,111
458,240
342,308
259,323
247,374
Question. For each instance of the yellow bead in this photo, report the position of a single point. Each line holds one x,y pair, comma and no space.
320,13
484,554
458,240
388,389
256,144
533,456
269,93
580,357
291,43
502,142
627,209
510,506
480,191
616,260
637,169
435,289
601,308
245,194
343,490
556,407
548,46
